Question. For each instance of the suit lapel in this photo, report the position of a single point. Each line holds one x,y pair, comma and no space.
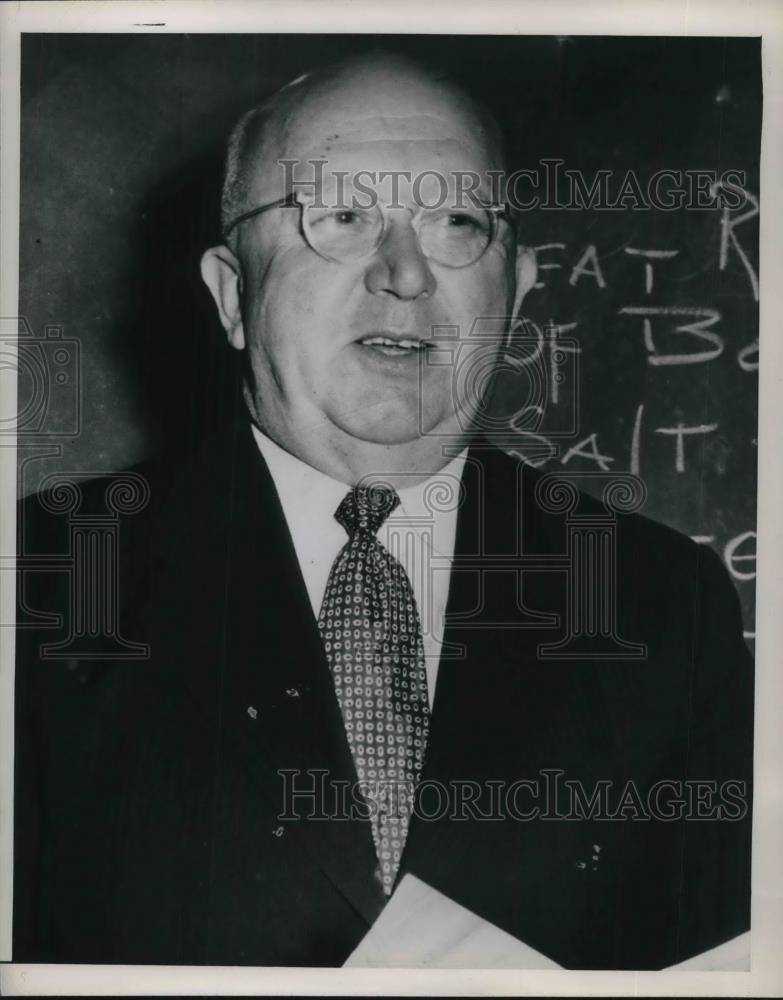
492,623
501,711
264,679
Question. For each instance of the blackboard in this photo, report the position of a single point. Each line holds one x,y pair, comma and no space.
122,144
653,313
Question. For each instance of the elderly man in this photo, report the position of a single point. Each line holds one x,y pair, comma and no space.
352,671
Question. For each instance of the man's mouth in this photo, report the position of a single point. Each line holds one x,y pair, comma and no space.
395,347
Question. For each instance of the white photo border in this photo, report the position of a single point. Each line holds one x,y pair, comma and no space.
555,17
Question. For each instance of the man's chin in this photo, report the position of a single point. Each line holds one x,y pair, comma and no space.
401,427
391,432
401,433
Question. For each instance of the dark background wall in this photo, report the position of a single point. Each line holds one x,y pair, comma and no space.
122,140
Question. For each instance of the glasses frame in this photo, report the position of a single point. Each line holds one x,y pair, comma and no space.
295,200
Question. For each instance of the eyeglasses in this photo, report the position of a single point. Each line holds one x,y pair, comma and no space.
453,238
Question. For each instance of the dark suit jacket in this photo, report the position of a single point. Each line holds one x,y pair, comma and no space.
148,793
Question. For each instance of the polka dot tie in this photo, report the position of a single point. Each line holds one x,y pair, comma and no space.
370,628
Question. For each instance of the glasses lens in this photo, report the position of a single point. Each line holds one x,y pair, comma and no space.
343,234
456,239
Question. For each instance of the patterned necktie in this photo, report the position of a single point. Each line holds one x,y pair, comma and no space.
370,628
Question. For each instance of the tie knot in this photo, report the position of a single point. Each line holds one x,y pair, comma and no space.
365,508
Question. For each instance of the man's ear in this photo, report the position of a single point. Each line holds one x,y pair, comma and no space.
222,275
526,271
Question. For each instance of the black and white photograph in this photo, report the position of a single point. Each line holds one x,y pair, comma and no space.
384,443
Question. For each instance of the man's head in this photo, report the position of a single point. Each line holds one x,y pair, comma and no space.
315,322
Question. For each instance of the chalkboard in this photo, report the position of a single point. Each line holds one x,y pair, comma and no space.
647,318
652,314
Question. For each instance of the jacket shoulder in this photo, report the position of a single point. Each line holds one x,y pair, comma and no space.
556,494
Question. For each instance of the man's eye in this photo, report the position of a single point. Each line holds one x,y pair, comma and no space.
340,217
461,219
464,224
345,218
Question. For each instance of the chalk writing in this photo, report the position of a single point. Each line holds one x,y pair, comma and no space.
737,551
588,449
705,318
588,265
680,432
675,406
728,237
748,357
650,256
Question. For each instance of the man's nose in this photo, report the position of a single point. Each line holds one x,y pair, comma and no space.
398,266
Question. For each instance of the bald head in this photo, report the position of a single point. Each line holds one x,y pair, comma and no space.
370,108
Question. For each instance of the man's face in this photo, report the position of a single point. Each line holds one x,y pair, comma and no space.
306,321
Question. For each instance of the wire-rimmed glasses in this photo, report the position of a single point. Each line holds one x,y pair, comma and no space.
450,237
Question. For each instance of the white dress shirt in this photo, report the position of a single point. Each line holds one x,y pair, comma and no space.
420,533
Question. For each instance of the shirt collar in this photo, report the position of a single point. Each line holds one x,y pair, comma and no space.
309,496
